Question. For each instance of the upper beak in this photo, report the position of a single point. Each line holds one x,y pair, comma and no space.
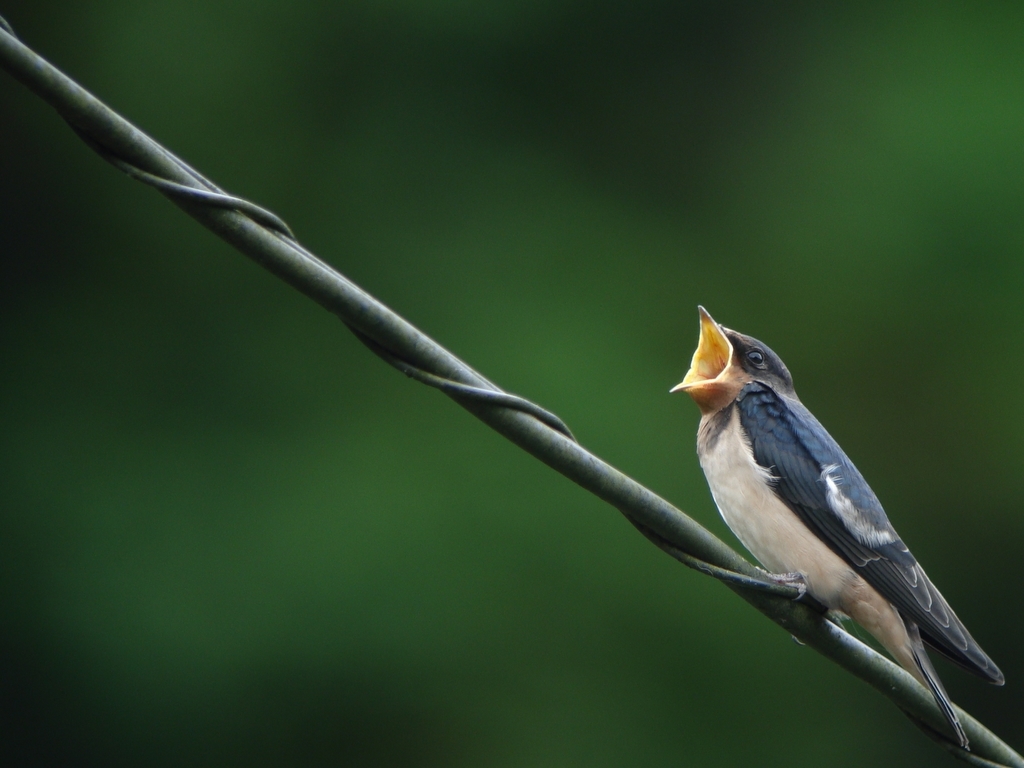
712,356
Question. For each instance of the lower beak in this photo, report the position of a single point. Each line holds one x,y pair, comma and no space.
713,353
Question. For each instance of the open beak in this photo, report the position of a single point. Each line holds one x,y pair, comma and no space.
704,382
712,355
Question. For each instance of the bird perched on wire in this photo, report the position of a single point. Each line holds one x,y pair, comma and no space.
795,500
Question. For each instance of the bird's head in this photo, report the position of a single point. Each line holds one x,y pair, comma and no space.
725,362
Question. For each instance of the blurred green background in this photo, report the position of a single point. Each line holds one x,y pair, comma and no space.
229,535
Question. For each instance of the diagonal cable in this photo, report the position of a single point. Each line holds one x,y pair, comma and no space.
267,240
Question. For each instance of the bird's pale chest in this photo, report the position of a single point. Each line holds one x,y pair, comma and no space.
752,510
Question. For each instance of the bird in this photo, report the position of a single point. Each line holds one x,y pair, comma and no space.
800,506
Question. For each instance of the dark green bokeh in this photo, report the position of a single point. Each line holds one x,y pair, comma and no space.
230,535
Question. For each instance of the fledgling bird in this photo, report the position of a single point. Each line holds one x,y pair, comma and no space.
795,500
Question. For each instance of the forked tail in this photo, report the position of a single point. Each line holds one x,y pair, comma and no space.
931,677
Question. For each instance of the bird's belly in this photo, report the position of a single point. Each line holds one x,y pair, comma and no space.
765,525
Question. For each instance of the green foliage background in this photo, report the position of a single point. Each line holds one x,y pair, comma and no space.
230,535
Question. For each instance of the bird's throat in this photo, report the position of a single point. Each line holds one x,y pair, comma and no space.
714,395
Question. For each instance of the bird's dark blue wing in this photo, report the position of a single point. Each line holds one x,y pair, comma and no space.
815,479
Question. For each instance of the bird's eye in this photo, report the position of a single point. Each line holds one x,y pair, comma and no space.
756,357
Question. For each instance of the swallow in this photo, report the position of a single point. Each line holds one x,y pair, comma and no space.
801,507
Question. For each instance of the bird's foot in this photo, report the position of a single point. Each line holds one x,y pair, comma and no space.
799,582
795,580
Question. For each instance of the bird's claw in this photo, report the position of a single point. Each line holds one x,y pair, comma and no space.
795,580
803,596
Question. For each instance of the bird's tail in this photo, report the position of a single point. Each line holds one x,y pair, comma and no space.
931,679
